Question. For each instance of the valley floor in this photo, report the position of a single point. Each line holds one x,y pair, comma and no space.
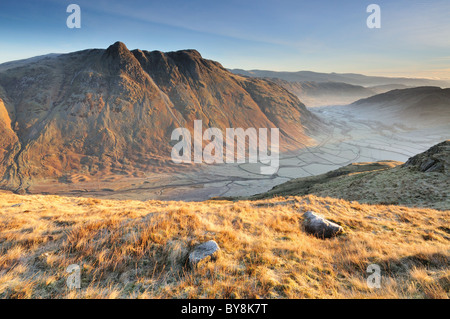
352,138
137,249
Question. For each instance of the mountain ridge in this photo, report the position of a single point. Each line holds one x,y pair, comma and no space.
349,78
324,89
113,110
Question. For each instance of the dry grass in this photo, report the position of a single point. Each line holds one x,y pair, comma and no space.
132,249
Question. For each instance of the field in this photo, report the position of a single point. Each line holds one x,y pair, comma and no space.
136,249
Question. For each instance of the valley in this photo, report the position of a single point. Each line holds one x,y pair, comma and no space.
188,153
89,163
98,123
351,138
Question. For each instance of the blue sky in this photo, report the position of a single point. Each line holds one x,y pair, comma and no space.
321,35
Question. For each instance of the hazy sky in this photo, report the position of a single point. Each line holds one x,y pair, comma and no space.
321,35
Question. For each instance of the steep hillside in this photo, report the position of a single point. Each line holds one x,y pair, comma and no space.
114,110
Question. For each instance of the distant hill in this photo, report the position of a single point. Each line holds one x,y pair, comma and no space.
321,89
14,64
421,105
379,89
326,93
349,78
114,110
423,181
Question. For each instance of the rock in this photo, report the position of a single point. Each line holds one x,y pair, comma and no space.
320,227
436,159
204,253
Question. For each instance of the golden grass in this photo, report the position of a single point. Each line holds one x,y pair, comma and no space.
133,249
384,182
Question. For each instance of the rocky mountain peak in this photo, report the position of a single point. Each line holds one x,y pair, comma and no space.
117,58
117,49
190,53
118,53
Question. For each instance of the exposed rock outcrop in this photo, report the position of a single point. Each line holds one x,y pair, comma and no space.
436,159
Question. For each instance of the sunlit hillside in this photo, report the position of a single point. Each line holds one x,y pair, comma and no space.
134,249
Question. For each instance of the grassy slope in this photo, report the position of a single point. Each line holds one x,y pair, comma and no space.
373,183
137,249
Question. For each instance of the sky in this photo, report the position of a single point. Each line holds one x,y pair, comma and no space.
279,35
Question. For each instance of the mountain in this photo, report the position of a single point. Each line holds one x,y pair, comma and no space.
326,93
322,89
423,181
113,111
349,78
423,106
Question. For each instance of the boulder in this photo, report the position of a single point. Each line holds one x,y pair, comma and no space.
203,253
320,227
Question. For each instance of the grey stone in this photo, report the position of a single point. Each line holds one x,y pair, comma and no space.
203,253
427,165
320,227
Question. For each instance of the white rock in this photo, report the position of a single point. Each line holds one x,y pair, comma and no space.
203,253
320,227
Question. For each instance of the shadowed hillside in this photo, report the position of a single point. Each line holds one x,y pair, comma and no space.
421,106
